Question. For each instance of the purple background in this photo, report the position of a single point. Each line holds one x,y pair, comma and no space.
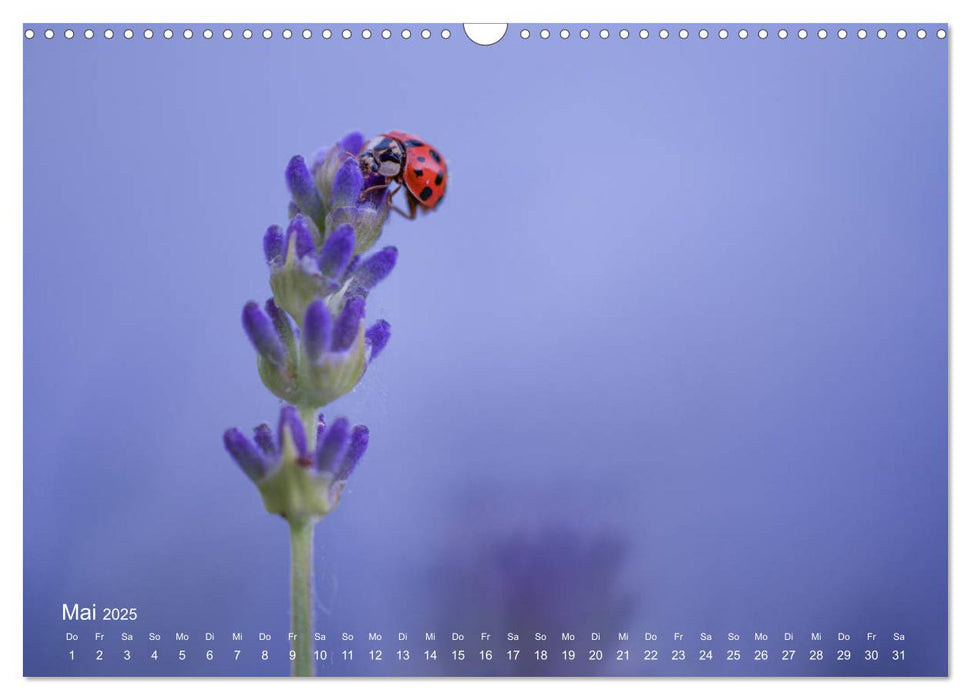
671,357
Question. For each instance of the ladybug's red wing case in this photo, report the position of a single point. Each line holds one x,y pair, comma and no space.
425,174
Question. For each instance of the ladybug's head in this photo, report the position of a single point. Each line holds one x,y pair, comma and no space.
383,156
369,164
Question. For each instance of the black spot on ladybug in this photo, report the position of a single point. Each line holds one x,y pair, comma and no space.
414,143
418,172
425,194
393,156
438,179
438,158
421,159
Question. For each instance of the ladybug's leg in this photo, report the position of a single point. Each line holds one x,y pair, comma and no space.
372,188
412,208
391,199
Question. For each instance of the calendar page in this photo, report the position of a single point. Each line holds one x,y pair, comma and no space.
517,350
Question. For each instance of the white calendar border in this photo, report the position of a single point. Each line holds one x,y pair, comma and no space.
378,11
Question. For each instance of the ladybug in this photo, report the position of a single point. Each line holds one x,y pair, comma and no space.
409,161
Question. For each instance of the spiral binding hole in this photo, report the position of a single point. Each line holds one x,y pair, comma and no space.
426,33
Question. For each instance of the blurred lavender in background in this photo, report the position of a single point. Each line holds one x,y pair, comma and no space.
549,581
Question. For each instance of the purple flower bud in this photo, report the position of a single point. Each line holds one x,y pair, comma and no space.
281,322
356,450
320,159
357,291
377,197
377,336
376,267
348,184
321,428
261,333
302,188
331,449
332,157
337,251
316,330
352,143
298,227
347,325
245,453
290,419
263,435
273,241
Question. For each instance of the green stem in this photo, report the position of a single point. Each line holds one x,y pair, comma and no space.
308,415
302,595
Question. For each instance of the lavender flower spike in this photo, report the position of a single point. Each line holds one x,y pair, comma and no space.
261,333
297,480
330,358
304,191
313,346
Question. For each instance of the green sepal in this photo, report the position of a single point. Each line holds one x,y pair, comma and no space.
296,490
313,385
297,282
281,381
336,375
366,221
